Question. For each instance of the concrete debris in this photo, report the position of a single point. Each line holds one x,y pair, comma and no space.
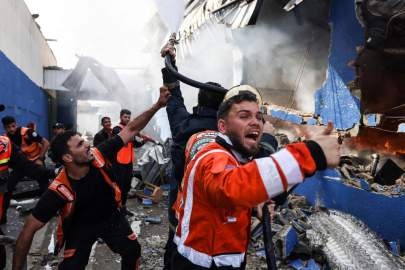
363,174
153,219
388,173
7,240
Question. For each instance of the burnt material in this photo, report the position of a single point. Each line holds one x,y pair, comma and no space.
381,80
388,173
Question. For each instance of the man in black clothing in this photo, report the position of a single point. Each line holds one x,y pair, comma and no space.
105,133
12,157
58,128
183,125
87,185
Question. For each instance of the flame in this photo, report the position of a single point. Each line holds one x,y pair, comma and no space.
379,141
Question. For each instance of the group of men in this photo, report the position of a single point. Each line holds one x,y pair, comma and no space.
225,164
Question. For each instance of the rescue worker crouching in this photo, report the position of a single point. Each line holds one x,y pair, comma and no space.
88,199
222,183
11,157
34,147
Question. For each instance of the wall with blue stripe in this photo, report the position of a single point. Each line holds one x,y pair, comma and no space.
334,102
23,99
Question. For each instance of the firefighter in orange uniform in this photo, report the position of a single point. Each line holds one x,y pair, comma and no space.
126,158
222,183
87,198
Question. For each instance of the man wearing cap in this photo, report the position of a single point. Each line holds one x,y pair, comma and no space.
223,182
58,128
33,146
184,125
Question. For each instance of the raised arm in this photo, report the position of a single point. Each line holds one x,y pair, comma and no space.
176,110
24,241
138,123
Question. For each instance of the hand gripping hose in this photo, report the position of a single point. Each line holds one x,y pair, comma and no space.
191,82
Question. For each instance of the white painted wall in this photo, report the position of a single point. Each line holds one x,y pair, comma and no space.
22,41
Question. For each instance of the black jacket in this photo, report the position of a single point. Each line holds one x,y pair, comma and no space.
183,125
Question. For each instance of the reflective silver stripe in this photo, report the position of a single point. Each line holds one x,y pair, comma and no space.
290,167
205,260
192,255
270,176
4,161
234,260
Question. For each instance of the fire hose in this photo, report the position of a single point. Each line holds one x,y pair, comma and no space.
169,65
267,234
189,81
267,239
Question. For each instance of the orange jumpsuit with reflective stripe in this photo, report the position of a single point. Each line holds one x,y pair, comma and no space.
217,194
31,151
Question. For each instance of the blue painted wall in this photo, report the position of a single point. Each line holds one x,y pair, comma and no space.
22,97
333,101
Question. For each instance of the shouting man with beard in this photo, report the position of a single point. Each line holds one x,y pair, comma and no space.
222,183
86,196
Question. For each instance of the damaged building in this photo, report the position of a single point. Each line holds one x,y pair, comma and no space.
316,62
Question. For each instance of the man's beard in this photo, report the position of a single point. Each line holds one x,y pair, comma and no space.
238,146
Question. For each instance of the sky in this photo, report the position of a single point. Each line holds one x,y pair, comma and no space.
106,30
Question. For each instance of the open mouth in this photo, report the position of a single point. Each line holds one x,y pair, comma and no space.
253,135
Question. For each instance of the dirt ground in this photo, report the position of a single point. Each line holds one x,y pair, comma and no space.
152,237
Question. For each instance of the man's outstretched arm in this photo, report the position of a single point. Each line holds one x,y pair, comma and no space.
31,226
138,123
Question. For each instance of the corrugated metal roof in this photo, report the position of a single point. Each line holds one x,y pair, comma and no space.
232,13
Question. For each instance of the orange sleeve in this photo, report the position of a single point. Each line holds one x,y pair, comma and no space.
226,184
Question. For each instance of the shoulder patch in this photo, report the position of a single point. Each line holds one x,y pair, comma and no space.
65,192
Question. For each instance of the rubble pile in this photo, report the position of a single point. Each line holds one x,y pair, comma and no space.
362,173
308,237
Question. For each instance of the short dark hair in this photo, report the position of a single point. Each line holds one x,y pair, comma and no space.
7,120
58,125
226,106
105,118
125,111
209,98
59,146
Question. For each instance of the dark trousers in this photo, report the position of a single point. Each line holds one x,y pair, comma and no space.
178,262
2,254
170,246
13,180
124,172
116,233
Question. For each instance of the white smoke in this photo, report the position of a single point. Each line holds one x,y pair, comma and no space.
171,12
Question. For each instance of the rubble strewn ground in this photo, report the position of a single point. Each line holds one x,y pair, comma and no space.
152,237
297,237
